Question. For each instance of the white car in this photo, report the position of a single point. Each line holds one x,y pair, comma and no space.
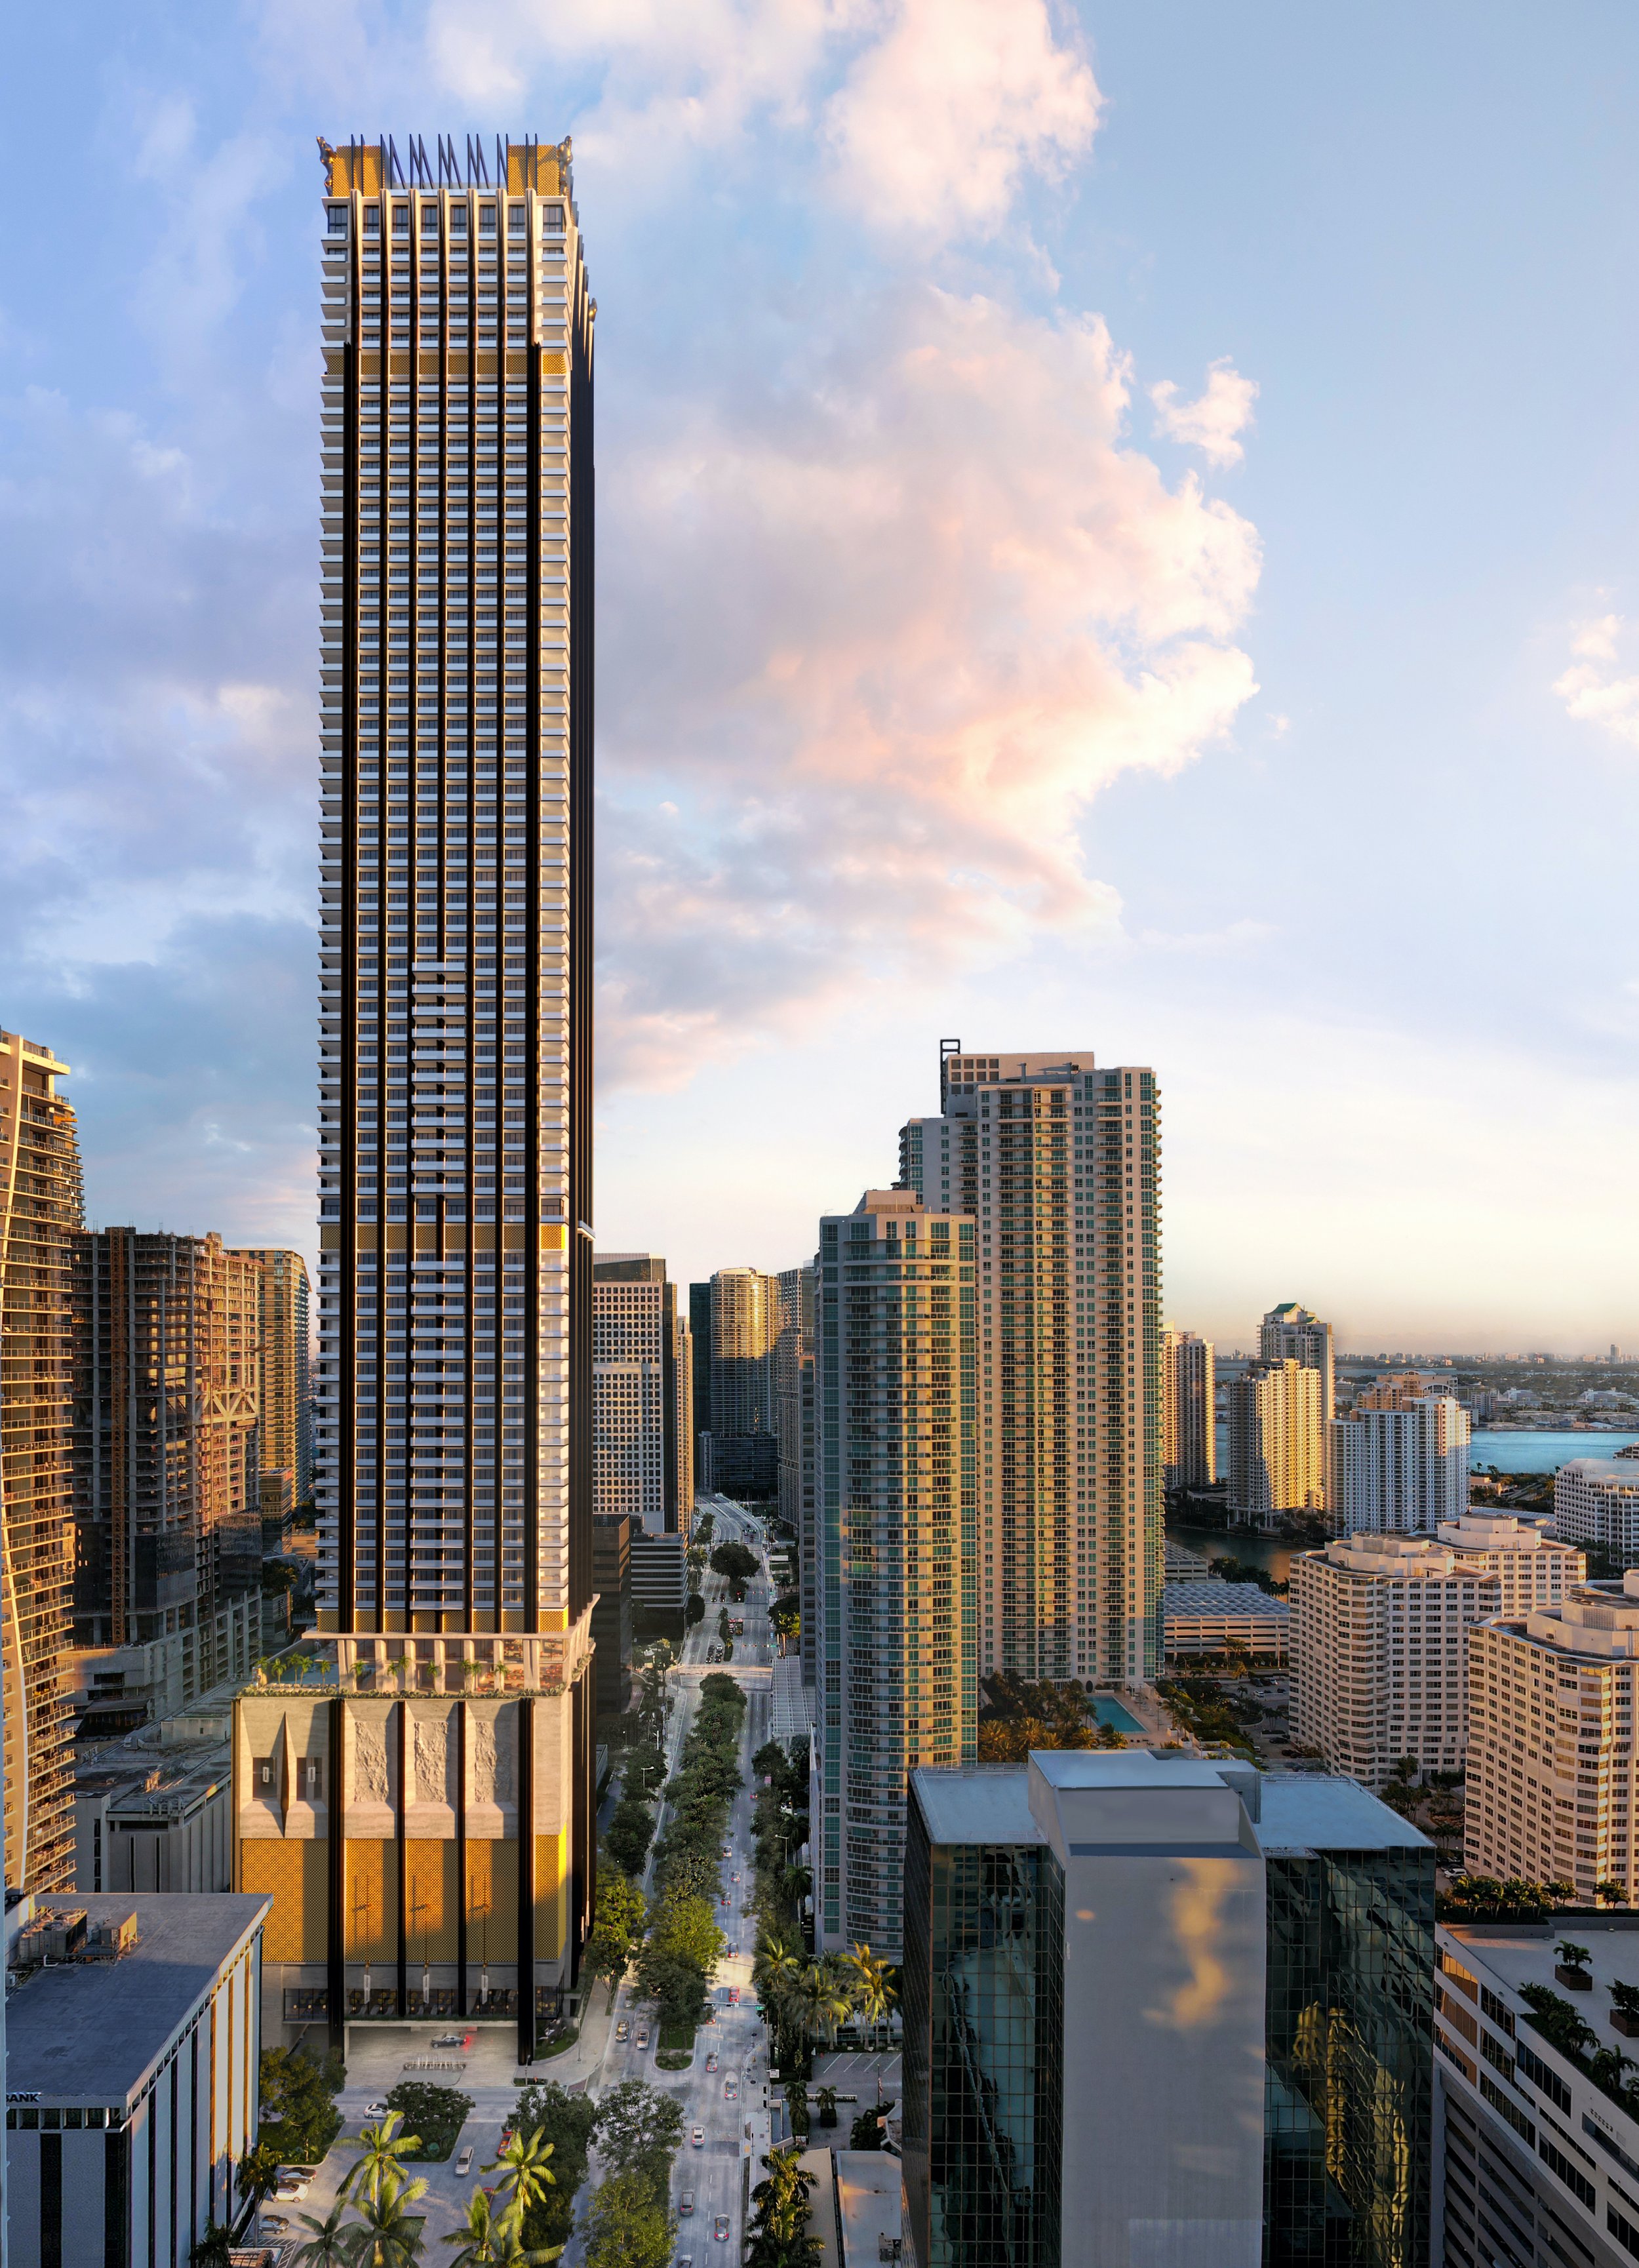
464,2163
293,2189
698,2138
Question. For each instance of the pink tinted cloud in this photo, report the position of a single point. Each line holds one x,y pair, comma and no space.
912,619
945,112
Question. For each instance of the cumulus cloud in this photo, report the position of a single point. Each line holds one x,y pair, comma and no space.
900,626
930,114
1593,689
1215,420
945,111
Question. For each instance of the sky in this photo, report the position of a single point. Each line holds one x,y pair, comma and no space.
1115,531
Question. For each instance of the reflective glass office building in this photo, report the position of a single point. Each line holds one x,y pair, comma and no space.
1162,2009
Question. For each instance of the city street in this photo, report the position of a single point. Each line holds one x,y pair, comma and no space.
720,2172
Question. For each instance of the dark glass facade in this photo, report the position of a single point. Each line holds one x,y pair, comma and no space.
983,1999
1348,2121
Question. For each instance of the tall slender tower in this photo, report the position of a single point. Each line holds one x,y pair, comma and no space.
1060,1164
1189,1401
453,1435
285,1440
40,1212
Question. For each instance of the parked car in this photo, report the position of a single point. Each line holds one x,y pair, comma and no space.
464,2163
698,2138
292,2188
642,2035
686,2201
622,2033
720,2229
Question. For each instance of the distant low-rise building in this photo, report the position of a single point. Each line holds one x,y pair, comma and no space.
164,1825
1210,1616
1595,1504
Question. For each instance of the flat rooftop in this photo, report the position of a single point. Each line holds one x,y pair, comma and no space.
1302,1811
976,1803
92,2031
868,2204
1523,1954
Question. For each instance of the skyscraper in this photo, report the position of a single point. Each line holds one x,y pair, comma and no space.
1059,1165
795,1414
40,1211
641,1454
454,1435
1291,1333
898,1568
284,1435
1276,1442
1189,1457
744,1324
167,1579
1398,1469
1236,1967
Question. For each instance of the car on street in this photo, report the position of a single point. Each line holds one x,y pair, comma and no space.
376,2110
712,2060
464,2163
720,2229
642,2035
698,2138
622,2033
731,2088
686,2201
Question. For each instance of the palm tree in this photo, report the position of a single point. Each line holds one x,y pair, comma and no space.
379,2165
493,2240
777,1966
823,2002
389,2235
873,1994
330,2245
524,2169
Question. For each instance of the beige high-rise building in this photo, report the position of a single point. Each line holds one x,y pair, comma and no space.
1276,1442
897,1673
1377,1633
1188,1428
642,1446
453,1435
1551,1787
1291,1331
1059,1164
746,1316
285,1434
1595,1502
40,1212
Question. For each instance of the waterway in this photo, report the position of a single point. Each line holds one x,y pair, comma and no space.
1524,1451
1236,1543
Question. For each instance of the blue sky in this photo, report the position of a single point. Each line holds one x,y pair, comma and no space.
1116,530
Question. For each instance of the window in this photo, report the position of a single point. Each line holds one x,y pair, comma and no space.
1577,2183
373,220
486,220
400,220
338,220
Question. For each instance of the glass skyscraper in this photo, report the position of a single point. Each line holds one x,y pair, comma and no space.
1161,2008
